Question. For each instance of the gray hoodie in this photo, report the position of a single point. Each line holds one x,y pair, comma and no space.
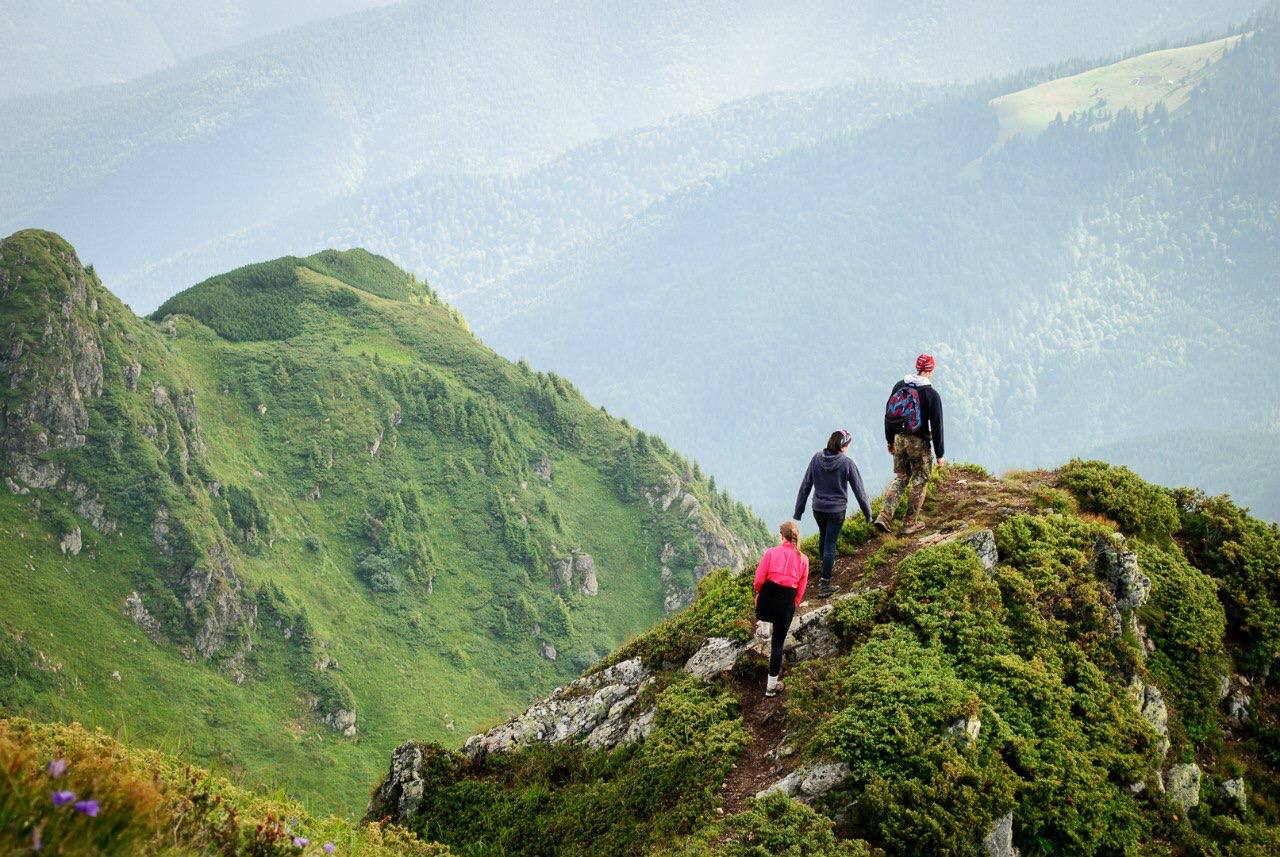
827,476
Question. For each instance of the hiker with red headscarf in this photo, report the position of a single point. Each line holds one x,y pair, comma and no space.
912,422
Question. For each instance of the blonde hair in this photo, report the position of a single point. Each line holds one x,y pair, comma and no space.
790,531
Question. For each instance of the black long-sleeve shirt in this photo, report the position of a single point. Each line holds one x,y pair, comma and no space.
930,417
827,476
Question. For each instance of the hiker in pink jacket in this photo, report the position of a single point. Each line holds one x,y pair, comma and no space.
781,578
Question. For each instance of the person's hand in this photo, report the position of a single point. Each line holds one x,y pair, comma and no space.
942,462
891,449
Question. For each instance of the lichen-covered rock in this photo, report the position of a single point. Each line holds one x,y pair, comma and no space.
966,729
983,543
807,784
548,651
1182,784
1234,791
1151,705
598,709
1236,701
341,720
1119,568
717,655
999,839
811,636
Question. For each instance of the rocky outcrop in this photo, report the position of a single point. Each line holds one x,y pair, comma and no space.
547,651
401,792
717,545
575,572
965,730
55,364
542,468
1119,568
1236,701
809,783
600,710
1150,702
71,543
1182,784
29,471
999,839
341,720
138,612
214,595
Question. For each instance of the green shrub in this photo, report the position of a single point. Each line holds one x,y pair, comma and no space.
1137,506
250,304
723,607
1243,554
773,826
572,800
853,618
1187,624
855,533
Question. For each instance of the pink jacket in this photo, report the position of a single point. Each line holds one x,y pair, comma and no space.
785,565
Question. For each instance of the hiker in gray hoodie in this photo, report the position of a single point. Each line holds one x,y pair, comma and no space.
830,471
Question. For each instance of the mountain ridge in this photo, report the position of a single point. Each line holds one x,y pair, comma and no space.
278,511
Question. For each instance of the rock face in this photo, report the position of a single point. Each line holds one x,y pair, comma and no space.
1183,785
1236,700
811,636
999,839
341,720
808,784
400,794
55,367
213,590
600,710
983,543
717,546
137,611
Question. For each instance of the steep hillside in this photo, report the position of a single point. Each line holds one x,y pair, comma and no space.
1069,662
428,88
304,510
1101,275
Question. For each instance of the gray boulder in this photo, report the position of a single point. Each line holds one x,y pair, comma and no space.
1151,706
811,636
717,655
965,730
71,543
999,839
809,783
1182,784
400,794
983,543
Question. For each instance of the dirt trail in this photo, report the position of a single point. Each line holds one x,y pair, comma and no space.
960,499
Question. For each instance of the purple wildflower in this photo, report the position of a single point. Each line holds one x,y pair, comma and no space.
329,848
87,807
301,842
63,798
56,768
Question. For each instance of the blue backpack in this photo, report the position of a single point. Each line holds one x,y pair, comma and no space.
902,413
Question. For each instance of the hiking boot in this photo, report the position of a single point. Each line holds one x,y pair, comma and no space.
826,590
910,528
882,526
777,689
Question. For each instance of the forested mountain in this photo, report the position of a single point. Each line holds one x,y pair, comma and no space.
50,47
1080,287
303,511
211,149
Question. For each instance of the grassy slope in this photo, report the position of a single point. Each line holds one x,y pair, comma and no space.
1167,76
416,662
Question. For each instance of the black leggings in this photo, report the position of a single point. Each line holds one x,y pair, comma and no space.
829,525
777,604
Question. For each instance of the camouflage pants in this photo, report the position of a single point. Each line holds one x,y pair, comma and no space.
912,464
